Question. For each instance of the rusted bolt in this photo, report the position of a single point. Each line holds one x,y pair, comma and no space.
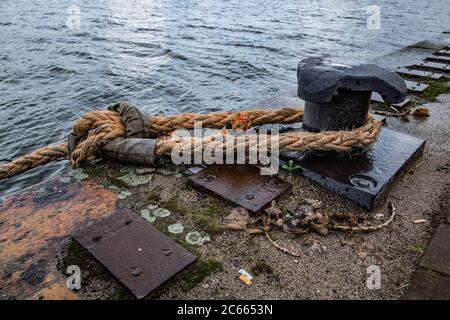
136,272
96,238
209,178
250,196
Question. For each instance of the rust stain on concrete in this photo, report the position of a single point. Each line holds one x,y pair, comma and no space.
57,292
34,227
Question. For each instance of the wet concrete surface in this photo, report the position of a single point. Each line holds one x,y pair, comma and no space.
435,128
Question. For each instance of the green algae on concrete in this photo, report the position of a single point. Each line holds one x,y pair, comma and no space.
134,180
153,196
206,218
198,272
436,88
260,266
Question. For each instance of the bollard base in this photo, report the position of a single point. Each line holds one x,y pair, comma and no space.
364,176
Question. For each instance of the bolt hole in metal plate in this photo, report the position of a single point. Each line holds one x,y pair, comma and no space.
433,66
241,184
138,255
415,86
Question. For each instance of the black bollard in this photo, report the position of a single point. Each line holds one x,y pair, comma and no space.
337,97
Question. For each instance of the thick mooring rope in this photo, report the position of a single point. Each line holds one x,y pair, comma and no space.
100,127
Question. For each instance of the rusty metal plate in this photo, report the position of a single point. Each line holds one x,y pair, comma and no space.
137,254
415,86
363,176
438,58
377,98
241,184
434,66
419,73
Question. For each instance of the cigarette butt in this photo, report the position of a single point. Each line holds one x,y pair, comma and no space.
245,274
419,221
245,280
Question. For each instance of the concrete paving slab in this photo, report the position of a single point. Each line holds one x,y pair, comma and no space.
428,286
437,254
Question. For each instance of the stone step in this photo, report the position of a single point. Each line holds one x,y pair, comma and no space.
428,286
438,58
433,66
444,52
419,73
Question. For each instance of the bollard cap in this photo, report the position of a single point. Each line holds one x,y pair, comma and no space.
319,81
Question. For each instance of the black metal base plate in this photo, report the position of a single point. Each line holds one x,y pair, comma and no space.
241,184
136,253
364,177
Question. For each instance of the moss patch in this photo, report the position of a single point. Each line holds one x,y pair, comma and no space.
419,248
260,266
206,218
198,272
153,196
436,88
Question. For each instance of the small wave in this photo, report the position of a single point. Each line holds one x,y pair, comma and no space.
349,18
149,30
253,46
60,70
80,54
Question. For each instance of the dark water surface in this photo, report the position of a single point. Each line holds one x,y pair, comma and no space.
173,56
